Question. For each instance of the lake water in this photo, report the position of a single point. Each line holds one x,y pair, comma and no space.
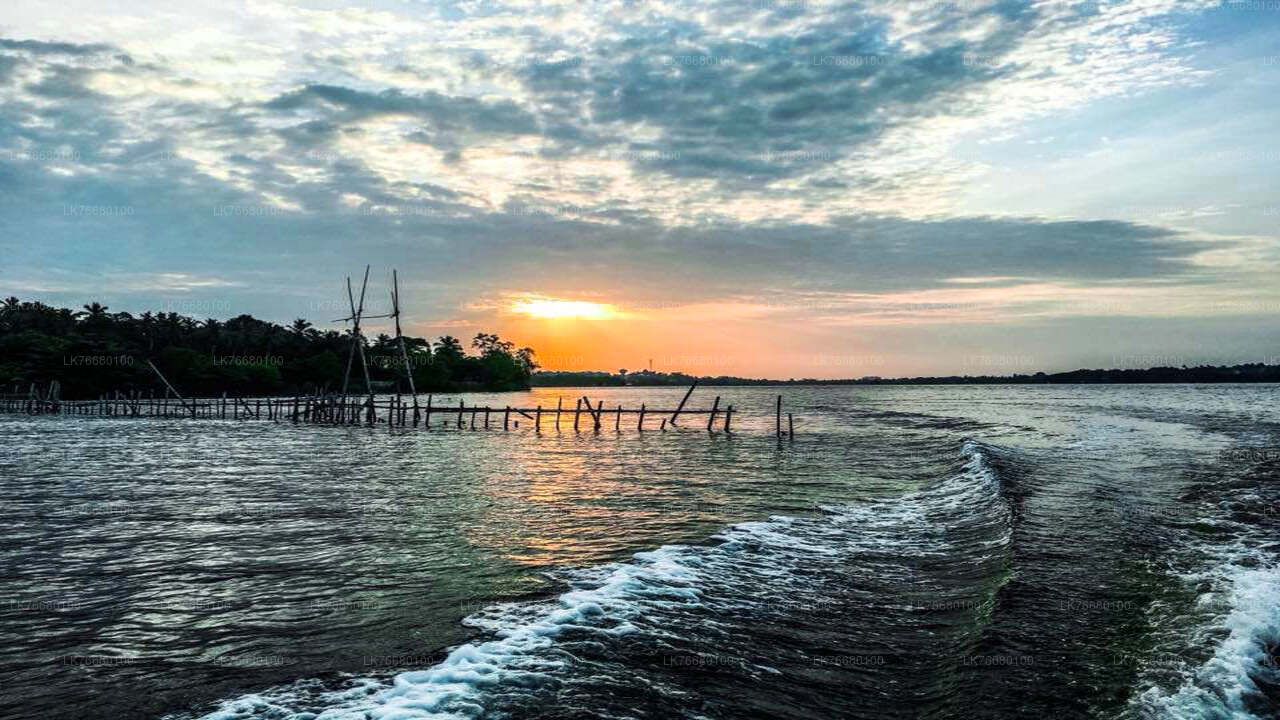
936,552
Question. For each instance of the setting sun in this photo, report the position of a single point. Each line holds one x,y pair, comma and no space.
542,308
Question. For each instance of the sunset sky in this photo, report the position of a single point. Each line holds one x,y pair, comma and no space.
749,187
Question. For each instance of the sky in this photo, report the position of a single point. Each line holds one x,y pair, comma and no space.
765,188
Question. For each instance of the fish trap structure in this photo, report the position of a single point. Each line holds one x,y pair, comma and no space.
397,411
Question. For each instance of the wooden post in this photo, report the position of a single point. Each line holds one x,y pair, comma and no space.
461,403
577,411
777,418
486,417
537,421
675,414
558,401
506,418
617,422
599,413
428,422
714,407
640,425
404,355
170,387
791,428
473,418
728,417
664,425
595,416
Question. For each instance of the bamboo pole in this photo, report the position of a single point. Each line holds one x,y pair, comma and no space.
364,363
537,422
711,419
506,418
577,411
404,355
728,417
640,425
617,421
351,352
791,428
595,414
166,384
428,423
777,418
684,400
558,401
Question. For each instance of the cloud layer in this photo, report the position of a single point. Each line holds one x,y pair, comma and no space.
653,152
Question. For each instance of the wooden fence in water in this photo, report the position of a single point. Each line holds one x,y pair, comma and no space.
398,411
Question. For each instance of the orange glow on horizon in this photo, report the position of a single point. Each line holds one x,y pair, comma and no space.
549,308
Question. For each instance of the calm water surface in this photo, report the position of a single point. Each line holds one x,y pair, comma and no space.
928,552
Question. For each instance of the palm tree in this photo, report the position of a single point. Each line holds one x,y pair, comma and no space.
300,326
95,311
449,348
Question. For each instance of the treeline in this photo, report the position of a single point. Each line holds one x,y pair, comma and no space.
94,351
1247,373
639,378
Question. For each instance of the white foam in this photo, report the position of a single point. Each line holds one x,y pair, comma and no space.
609,601
1218,688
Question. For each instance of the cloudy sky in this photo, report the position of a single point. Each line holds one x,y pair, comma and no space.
784,188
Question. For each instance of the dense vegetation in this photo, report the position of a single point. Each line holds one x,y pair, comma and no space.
1249,373
94,351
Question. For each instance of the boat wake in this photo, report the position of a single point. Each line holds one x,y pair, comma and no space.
698,630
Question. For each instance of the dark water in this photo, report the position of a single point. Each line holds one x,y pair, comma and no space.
932,552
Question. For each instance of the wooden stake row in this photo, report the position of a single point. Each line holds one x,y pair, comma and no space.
396,411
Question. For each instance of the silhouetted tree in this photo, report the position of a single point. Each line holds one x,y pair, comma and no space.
93,351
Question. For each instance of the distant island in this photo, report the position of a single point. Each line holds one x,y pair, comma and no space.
93,351
1249,373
